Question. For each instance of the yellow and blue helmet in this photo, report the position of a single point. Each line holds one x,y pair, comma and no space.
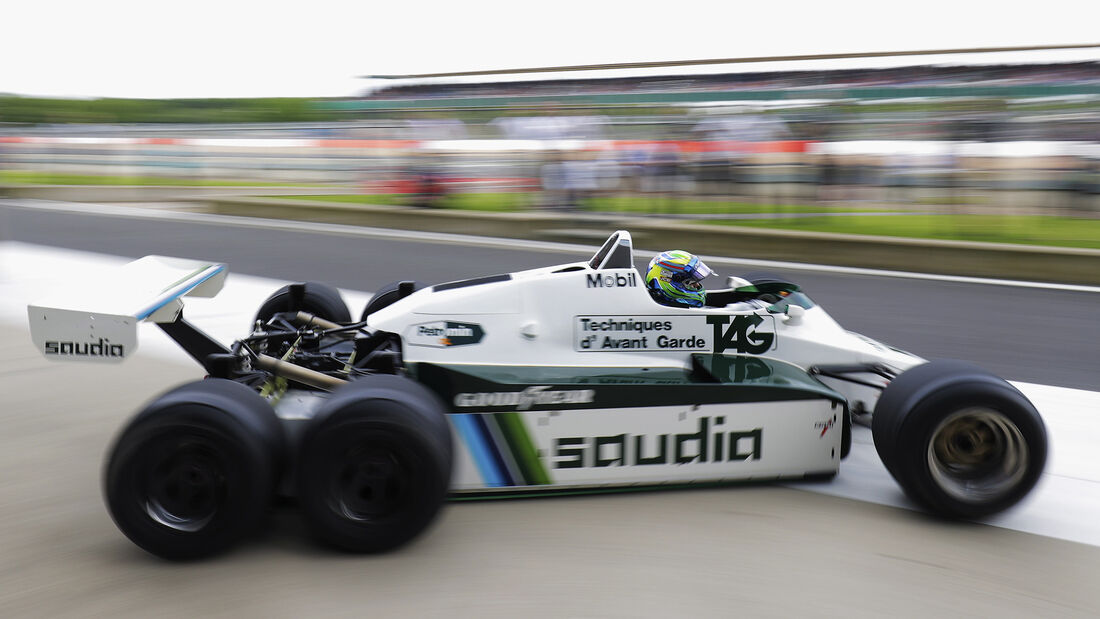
674,278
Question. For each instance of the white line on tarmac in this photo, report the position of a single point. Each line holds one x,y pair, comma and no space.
1065,504
483,241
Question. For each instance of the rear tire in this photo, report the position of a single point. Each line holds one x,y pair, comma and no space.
375,464
318,299
196,470
384,297
960,441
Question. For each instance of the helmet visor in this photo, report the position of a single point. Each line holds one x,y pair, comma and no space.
692,274
697,270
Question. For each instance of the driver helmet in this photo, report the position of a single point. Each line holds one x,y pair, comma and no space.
674,278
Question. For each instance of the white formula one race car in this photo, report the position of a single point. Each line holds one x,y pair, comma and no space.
567,378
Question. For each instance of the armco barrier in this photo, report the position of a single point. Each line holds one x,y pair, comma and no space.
152,193
515,225
1022,262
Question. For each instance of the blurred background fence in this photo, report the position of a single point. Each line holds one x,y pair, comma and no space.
1023,136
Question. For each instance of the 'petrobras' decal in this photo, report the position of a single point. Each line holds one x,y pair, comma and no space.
745,333
444,334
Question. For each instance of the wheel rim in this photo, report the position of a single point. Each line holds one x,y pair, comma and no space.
373,481
185,484
977,454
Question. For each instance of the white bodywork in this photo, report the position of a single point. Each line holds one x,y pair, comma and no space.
548,317
574,315
655,445
97,320
567,321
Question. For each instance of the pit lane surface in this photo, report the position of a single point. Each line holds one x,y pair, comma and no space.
757,550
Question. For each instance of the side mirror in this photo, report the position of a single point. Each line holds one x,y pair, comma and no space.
794,314
737,283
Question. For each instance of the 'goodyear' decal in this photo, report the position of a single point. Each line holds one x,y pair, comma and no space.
536,395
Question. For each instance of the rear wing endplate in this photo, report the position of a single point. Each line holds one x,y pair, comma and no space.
97,320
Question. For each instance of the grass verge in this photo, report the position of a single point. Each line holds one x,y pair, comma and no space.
627,204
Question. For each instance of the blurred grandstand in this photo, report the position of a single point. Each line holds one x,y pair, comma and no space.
904,135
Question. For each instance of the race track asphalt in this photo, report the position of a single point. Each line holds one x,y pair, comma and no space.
750,550
1033,335
759,551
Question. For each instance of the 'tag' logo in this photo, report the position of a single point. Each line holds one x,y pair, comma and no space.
741,334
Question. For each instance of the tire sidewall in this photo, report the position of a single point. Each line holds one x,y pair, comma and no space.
905,392
914,434
249,468
410,420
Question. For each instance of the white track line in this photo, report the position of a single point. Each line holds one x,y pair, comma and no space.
1066,502
483,241
1065,505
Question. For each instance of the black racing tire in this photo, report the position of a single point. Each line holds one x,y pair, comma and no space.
196,470
318,299
375,464
384,297
960,441
846,434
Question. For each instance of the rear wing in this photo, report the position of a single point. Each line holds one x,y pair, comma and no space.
97,320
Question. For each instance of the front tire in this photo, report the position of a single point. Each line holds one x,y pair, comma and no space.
960,441
375,464
196,470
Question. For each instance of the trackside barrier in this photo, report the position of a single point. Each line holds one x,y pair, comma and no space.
995,260
155,193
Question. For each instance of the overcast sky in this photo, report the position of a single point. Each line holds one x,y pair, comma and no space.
224,48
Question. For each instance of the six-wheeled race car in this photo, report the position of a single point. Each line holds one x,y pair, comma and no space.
569,378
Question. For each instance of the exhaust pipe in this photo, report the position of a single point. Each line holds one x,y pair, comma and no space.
308,319
298,373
